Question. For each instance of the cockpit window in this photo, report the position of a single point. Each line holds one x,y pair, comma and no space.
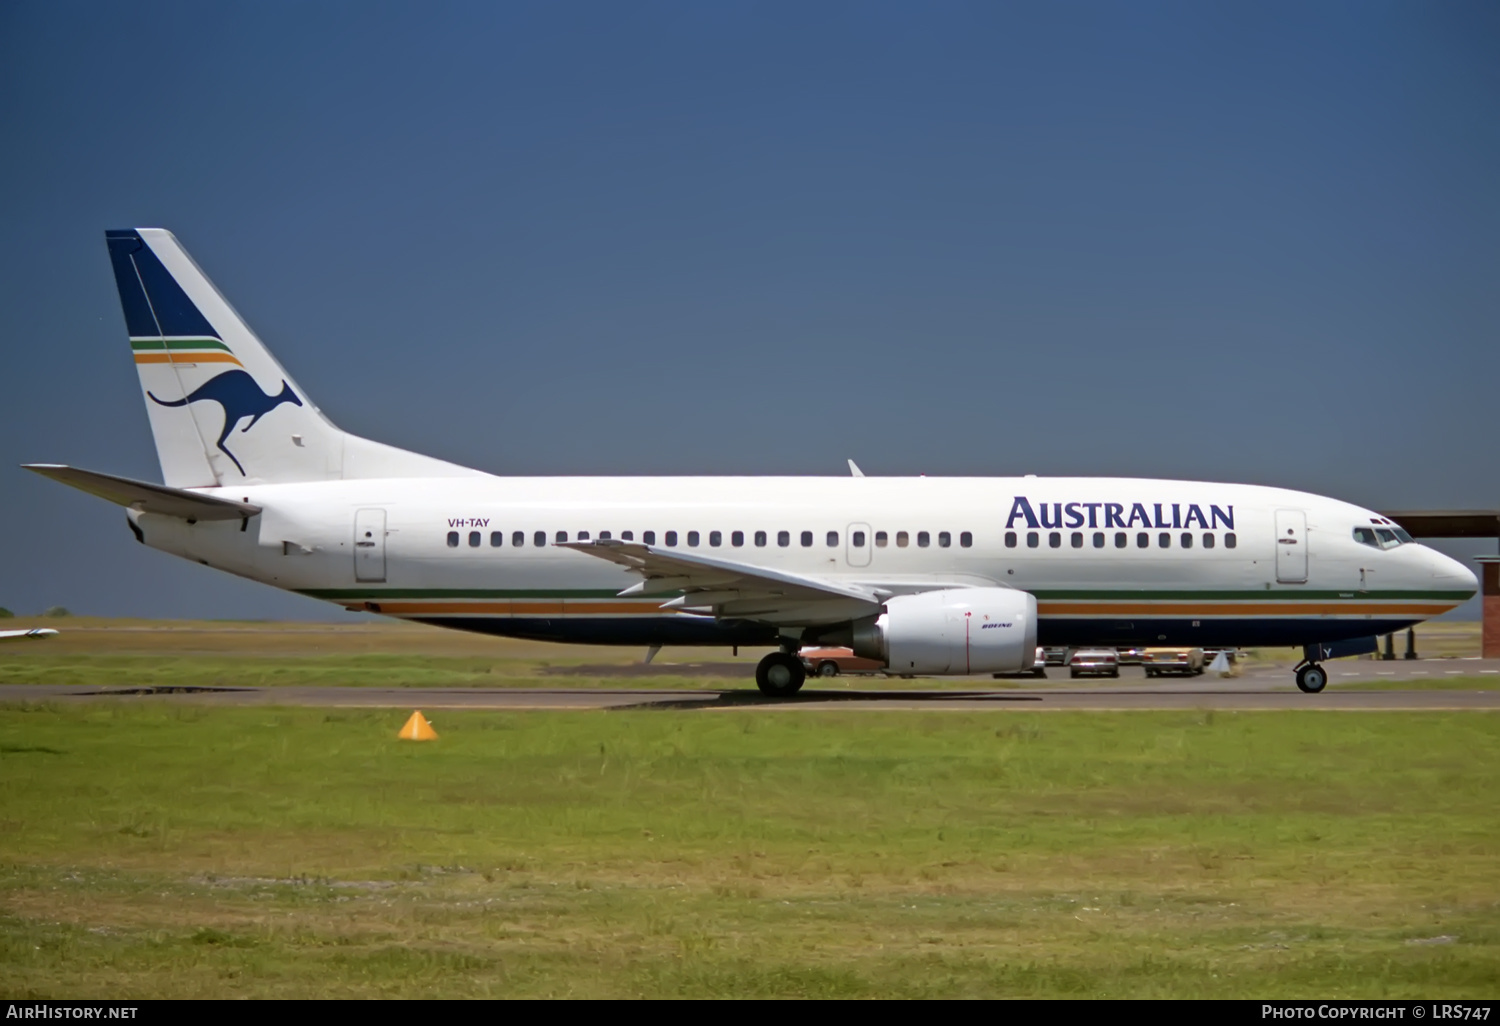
1381,537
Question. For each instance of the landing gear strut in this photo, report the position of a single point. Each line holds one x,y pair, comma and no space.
1311,678
780,674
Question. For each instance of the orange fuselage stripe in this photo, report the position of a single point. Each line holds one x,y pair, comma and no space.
503,608
1239,608
560,607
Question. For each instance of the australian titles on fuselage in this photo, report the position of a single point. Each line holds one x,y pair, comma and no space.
1114,514
929,575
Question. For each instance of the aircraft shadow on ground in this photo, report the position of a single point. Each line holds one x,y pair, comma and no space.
740,698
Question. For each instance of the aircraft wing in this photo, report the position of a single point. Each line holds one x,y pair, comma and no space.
35,632
146,497
723,588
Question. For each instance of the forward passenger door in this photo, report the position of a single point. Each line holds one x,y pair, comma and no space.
1291,546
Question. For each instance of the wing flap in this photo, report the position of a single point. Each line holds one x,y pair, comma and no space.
692,581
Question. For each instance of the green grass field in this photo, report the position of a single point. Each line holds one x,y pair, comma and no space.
152,850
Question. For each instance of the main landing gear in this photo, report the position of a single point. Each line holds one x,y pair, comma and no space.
1311,678
780,674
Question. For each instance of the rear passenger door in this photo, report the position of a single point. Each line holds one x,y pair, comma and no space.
369,545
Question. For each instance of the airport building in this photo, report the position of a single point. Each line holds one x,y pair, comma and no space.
1465,523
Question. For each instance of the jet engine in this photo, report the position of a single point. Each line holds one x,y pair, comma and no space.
958,631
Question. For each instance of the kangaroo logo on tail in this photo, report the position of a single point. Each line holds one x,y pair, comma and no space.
239,396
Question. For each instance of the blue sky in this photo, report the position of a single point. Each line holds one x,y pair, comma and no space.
1235,241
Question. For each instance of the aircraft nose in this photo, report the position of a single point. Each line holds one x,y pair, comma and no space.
1450,574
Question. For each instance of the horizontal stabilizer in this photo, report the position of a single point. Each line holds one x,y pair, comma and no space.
146,497
35,632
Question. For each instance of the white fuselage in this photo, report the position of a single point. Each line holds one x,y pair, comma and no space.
1110,560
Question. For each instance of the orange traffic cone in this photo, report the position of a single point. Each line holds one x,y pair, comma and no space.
417,729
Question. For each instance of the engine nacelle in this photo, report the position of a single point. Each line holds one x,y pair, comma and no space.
963,630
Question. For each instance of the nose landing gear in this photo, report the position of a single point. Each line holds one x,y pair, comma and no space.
1311,678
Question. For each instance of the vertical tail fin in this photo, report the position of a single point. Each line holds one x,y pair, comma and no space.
222,410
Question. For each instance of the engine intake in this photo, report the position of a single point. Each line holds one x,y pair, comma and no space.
958,631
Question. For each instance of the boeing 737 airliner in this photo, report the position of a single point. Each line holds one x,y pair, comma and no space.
926,575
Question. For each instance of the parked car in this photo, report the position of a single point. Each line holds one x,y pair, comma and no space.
1130,655
1038,667
1180,662
830,662
1100,661
1056,656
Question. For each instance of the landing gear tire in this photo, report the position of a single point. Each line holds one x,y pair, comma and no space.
1312,678
780,675
828,669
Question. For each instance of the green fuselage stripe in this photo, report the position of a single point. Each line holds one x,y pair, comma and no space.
1137,595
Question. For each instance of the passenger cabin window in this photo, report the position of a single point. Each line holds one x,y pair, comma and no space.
1208,541
473,539
857,539
453,539
539,539
807,539
497,538
880,539
1098,539
1120,539
902,541
627,536
966,539
562,536
716,538
605,536
945,540
1033,539
693,539
1229,541
671,539
518,539
1054,539
648,537
1142,540
1164,540
1077,539
760,539
583,536
783,538
833,539
1187,540
1010,539
923,539
737,539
